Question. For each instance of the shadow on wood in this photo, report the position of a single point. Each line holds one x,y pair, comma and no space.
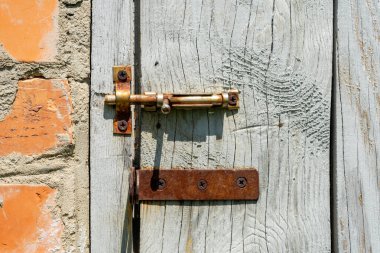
200,203
176,125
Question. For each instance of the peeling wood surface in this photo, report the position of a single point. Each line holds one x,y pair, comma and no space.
279,55
357,164
112,44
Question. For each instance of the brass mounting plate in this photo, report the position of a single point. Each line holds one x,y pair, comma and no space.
189,184
122,123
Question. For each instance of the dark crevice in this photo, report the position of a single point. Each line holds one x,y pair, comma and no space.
333,148
137,116
42,171
89,132
137,83
69,4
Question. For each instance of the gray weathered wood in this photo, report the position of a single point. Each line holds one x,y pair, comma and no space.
357,166
110,156
279,54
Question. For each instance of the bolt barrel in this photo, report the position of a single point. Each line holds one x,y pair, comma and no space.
110,100
227,100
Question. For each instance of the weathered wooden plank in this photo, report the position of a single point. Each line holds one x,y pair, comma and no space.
279,54
110,156
357,100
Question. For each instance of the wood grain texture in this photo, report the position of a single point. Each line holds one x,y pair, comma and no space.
357,164
110,156
279,55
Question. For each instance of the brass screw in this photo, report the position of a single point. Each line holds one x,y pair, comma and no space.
165,109
122,125
241,182
202,184
122,75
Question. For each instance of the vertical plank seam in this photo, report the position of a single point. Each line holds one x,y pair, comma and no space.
333,144
137,118
89,134
267,130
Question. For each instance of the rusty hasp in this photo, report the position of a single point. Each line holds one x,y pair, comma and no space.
189,184
165,102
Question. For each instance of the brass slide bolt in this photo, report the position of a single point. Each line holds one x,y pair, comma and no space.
152,101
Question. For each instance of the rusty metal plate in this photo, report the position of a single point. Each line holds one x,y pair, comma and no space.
122,77
197,184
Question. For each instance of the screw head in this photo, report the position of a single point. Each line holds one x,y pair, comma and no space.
202,184
161,183
241,182
165,109
232,99
122,125
122,75
158,184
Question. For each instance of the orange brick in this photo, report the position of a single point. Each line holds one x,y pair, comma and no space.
29,29
26,221
40,118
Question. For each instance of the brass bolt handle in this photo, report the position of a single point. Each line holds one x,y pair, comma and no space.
151,101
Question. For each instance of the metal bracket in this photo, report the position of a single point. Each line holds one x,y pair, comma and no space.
122,78
151,101
158,184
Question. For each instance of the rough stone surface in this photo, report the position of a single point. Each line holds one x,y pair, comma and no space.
61,167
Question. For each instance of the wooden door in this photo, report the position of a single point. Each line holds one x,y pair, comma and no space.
280,55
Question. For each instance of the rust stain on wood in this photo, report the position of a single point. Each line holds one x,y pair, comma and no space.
189,244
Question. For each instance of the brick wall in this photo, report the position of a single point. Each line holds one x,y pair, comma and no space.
44,92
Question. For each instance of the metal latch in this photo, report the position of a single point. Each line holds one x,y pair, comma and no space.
192,184
174,184
152,101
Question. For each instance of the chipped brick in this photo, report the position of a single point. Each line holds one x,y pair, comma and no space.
40,118
27,221
29,29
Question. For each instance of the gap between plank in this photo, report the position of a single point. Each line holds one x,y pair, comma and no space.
333,195
137,120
